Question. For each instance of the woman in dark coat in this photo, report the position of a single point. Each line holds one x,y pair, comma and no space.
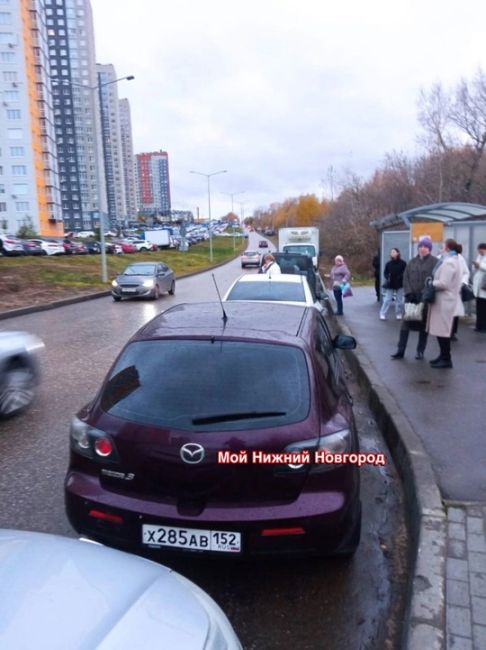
393,287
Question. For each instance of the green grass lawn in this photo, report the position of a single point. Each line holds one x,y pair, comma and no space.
84,271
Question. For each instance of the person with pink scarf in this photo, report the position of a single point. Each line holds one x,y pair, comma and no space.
338,276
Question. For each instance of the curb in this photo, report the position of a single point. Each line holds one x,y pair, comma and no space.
22,311
424,621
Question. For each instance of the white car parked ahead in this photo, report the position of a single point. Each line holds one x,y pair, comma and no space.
284,288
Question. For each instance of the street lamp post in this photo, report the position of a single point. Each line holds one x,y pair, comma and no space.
233,194
97,88
208,176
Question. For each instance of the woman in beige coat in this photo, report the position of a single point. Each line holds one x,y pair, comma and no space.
446,280
460,311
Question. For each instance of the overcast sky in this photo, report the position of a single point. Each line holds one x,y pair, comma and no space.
278,92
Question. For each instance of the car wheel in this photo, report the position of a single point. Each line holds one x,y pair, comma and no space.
16,390
116,298
144,250
349,548
172,289
44,252
156,295
243,266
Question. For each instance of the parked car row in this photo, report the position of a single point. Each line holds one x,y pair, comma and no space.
12,246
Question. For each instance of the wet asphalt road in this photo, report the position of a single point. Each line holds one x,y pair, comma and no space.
276,604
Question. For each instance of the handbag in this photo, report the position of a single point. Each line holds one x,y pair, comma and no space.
428,292
346,290
413,311
467,293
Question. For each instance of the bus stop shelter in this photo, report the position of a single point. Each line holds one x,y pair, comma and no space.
464,222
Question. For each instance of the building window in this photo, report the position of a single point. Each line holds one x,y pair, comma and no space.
5,18
11,95
15,134
6,37
15,152
22,206
9,75
3,207
19,189
13,114
7,57
19,170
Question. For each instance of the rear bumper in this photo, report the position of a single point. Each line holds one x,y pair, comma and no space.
328,520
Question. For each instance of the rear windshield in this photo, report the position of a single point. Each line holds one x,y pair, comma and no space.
273,290
302,249
208,385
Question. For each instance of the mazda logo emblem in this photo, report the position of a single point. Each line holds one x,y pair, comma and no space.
192,453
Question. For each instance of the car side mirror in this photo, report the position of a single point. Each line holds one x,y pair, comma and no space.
344,342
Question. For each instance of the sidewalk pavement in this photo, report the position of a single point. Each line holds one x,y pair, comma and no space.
434,423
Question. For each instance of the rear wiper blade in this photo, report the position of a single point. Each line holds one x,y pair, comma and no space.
227,417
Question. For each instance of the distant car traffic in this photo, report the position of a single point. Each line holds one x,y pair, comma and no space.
72,247
50,246
126,246
113,249
143,280
19,371
32,247
263,243
65,594
250,258
186,449
10,245
141,244
93,247
285,288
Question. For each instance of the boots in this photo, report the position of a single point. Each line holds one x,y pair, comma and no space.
444,359
402,344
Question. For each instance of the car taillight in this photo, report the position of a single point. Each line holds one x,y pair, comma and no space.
92,443
103,447
335,443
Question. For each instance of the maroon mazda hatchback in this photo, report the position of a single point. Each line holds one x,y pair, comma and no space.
186,449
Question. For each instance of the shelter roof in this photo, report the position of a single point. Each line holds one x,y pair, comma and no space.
444,212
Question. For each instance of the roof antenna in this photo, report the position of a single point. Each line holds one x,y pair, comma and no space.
225,317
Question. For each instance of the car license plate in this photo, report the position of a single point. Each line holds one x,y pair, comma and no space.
129,290
189,538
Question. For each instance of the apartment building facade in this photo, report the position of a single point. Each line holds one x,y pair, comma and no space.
128,160
29,181
77,112
153,182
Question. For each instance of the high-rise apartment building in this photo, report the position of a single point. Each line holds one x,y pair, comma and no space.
153,184
128,160
76,111
112,147
29,185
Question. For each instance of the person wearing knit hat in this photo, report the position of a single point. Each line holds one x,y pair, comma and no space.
425,241
417,271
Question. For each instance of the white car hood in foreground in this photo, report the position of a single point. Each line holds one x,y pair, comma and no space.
67,594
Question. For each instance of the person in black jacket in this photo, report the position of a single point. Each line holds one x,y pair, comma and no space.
418,270
376,268
393,287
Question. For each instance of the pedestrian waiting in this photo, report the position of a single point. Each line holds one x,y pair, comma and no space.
393,287
416,272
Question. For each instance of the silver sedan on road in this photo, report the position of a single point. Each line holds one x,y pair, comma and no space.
143,280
